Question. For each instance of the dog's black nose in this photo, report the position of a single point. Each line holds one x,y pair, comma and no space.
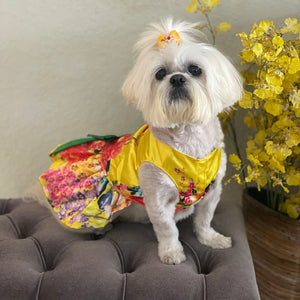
177,80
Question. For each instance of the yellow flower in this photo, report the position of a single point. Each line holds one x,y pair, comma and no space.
237,178
212,3
293,179
260,137
278,151
292,136
282,123
284,61
261,29
275,164
205,7
247,55
266,25
295,98
193,6
292,50
234,159
254,160
257,176
277,181
247,100
258,49
292,26
273,107
294,65
274,82
278,41
224,26
293,211
264,93
247,43
297,112
270,55
263,156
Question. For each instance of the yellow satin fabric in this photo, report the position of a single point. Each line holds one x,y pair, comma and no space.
191,176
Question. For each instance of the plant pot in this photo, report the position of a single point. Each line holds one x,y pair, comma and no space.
274,240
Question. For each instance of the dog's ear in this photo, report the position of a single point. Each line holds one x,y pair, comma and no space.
137,86
128,88
224,82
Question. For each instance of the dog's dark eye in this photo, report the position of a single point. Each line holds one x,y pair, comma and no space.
194,70
160,74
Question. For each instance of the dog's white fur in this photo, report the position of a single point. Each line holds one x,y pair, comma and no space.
190,126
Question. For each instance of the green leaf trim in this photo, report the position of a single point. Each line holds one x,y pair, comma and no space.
89,138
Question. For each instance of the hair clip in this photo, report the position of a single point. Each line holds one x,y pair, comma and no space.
163,40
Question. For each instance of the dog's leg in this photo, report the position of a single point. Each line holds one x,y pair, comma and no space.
160,197
204,212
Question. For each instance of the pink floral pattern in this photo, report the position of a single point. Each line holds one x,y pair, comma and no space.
189,194
80,178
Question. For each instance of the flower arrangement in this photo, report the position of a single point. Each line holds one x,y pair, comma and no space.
272,100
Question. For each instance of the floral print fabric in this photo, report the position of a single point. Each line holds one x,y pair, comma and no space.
92,179
77,187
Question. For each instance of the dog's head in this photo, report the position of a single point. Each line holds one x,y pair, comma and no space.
177,80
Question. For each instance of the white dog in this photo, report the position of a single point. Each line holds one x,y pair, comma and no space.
180,89
180,86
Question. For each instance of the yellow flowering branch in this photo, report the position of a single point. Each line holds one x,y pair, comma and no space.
206,7
272,99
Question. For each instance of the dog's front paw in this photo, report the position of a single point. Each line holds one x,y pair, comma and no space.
171,255
214,239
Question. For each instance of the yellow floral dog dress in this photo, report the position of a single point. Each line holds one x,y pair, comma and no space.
93,178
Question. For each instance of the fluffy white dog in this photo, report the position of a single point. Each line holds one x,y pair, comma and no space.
180,86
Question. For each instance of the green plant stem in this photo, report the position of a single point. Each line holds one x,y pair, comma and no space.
237,148
281,197
210,28
268,195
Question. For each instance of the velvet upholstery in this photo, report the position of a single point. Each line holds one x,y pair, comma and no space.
41,259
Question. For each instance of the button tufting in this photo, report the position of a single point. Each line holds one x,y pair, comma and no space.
15,227
194,255
40,252
120,254
41,259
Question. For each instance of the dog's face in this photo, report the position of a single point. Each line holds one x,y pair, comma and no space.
186,83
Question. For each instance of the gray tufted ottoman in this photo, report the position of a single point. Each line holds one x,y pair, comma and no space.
40,259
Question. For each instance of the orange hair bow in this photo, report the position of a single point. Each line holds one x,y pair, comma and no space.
163,40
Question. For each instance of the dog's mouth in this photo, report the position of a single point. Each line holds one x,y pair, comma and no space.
178,94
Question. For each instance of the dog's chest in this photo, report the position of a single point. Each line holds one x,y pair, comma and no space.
199,144
195,141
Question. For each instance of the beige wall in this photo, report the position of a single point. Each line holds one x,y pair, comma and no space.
62,63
